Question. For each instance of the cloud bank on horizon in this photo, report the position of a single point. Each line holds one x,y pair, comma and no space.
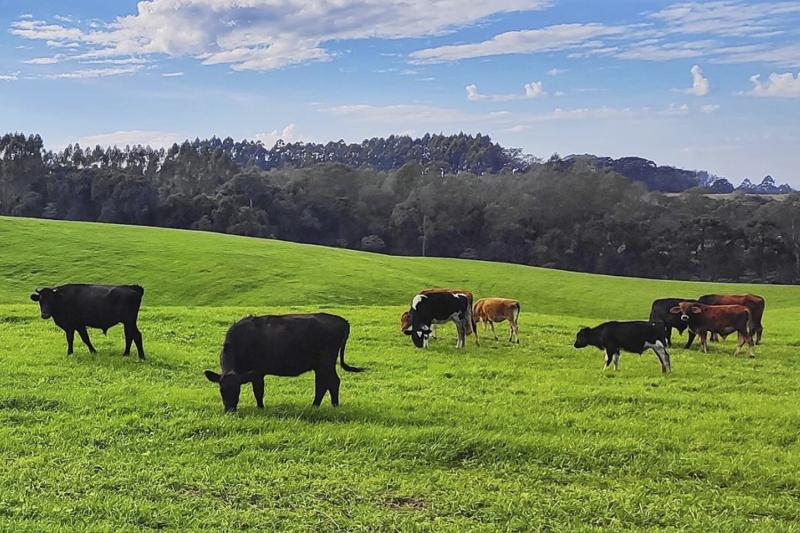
539,74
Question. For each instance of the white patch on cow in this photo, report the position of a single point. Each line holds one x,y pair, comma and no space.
419,334
415,302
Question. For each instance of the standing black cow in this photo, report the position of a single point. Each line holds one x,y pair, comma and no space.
659,312
75,307
427,309
282,345
634,337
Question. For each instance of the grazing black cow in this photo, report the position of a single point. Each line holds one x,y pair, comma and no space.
282,345
75,307
438,307
634,337
660,312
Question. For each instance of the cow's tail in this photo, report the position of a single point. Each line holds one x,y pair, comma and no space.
515,309
345,366
470,326
750,324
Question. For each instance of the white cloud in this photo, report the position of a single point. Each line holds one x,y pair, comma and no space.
726,18
550,38
264,34
556,71
785,85
709,108
42,60
288,135
700,85
9,77
131,137
172,74
92,73
666,51
533,89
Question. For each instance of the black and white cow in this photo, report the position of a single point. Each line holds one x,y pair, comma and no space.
76,307
660,312
282,345
435,308
634,337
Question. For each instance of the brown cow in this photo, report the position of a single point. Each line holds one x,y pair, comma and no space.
720,319
491,310
753,302
405,319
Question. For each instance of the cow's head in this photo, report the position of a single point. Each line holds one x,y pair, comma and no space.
417,329
686,309
48,301
582,338
230,384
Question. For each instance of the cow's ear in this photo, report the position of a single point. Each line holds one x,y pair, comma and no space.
212,376
675,310
696,310
35,297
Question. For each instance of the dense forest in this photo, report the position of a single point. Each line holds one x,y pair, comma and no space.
451,196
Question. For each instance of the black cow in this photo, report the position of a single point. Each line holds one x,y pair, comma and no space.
634,337
75,307
282,345
659,312
427,309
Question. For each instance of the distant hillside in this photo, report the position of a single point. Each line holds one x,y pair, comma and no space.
671,179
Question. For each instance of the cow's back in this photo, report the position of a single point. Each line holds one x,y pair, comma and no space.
100,305
284,345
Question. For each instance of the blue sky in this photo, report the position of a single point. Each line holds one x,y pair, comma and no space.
671,81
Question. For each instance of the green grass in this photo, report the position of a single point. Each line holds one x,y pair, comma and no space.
498,437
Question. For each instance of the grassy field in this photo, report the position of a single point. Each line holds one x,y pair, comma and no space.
498,437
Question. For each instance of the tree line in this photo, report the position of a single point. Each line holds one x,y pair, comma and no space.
572,216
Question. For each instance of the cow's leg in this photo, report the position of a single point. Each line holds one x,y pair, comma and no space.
461,329
690,338
258,391
669,335
493,332
137,338
70,333
616,360
85,338
704,341
128,339
333,387
321,378
609,357
740,340
510,331
663,357
759,331
433,331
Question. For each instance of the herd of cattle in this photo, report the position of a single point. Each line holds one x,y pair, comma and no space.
290,345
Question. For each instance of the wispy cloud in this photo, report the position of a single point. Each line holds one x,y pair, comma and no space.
9,77
263,34
91,73
131,137
172,74
551,38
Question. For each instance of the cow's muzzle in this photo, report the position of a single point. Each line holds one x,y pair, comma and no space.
45,316
685,318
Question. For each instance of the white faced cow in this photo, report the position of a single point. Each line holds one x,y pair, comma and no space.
427,309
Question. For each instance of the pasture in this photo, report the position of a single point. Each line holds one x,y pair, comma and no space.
499,437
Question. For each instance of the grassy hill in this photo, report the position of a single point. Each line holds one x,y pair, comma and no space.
492,437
